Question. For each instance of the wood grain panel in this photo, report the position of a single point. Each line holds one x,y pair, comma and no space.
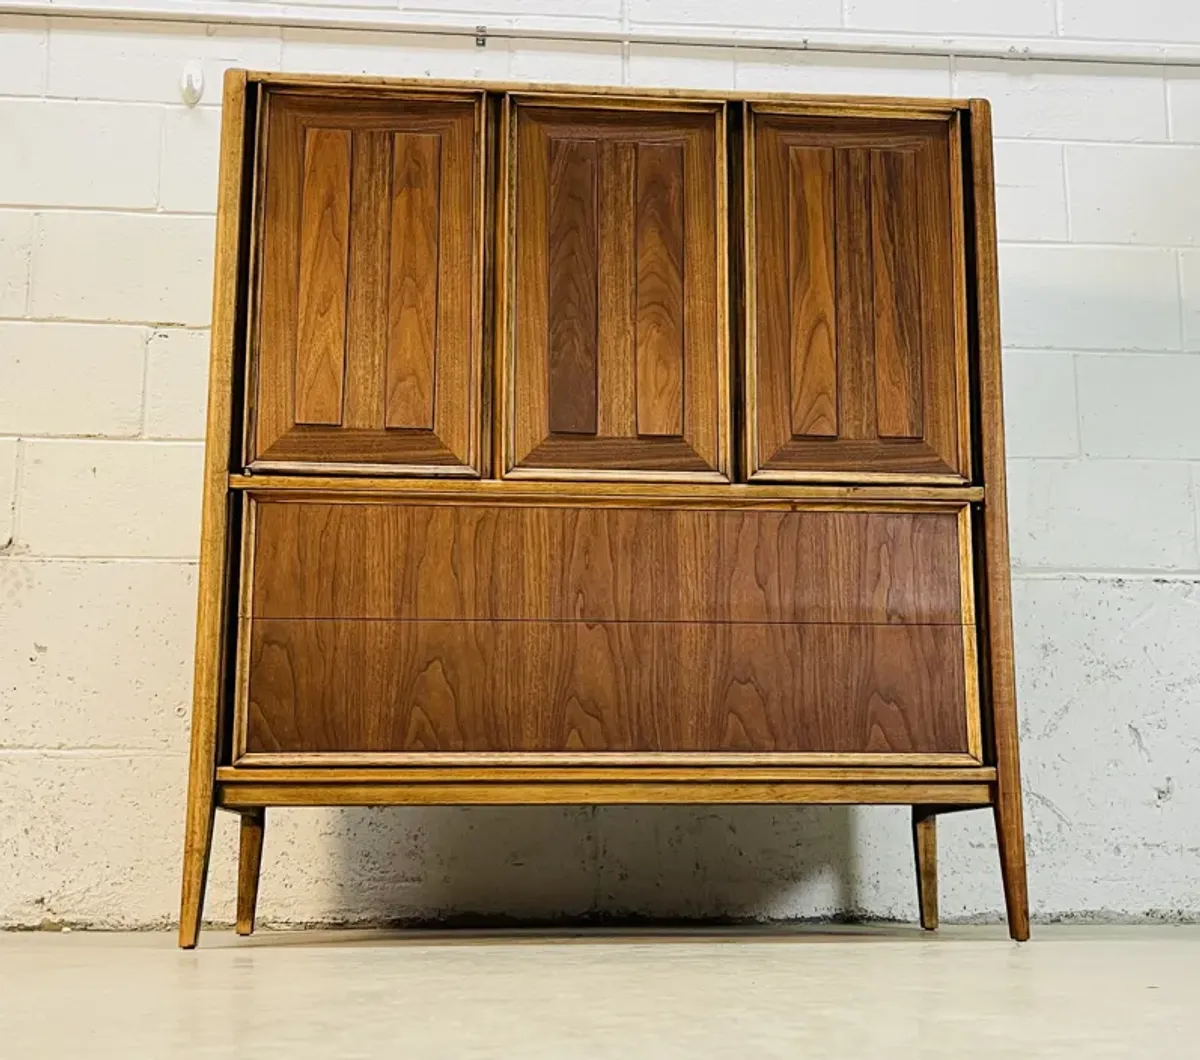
413,280
396,293
324,272
367,310
658,237
811,294
856,298
572,264
856,366
361,686
617,411
613,356
412,561
895,216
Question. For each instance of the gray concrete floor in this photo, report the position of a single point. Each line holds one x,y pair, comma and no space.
892,992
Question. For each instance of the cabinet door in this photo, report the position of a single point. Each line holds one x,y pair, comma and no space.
366,349
614,349
856,311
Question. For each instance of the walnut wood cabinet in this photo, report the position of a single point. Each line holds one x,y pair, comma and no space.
599,446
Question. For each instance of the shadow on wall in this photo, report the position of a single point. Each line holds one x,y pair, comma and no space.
502,865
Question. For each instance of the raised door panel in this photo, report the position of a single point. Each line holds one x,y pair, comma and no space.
856,343
379,629
367,341
614,349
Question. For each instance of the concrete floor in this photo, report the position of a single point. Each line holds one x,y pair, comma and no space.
811,992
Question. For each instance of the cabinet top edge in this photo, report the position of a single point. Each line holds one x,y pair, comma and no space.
899,105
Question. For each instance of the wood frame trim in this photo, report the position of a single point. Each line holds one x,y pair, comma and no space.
508,774
211,663
597,759
669,495
240,795
996,607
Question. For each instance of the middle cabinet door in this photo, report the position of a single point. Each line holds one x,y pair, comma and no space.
613,334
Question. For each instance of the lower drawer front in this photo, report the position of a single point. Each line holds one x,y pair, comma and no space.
387,628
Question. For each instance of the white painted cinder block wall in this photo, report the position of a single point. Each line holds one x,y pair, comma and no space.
106,224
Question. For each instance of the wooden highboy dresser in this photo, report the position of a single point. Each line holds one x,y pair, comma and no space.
602,446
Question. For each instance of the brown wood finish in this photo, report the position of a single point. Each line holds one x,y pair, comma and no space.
855,367
635,627
213,652
924,826
506,774
359,686
614,357
368,335
250,847
999,667
402,561
610,494
238,796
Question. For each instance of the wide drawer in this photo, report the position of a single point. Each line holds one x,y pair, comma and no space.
391,630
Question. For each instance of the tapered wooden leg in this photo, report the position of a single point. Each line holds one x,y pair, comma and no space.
254,823
1010,837
197,842
924,826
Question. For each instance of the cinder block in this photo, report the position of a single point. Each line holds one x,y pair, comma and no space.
91,839
141,268
1134,194
676,66
191,155
1140,406
177,384
586,62
16,249
1067,101
97,59
81,379
9,449
102,653
22,55
760,70
1108,673
393,54
1098,298
80,154
1190,277
1040,416
125,499
1031,200
1183,105
1018,18
719,14
1102,515
1177,21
